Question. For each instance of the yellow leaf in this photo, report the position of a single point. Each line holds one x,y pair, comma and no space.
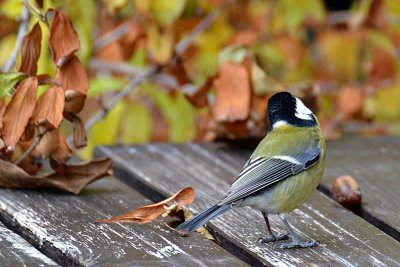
166,12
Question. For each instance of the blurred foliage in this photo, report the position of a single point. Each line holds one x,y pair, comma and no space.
344,64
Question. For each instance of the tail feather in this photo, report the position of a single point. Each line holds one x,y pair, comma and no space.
202,218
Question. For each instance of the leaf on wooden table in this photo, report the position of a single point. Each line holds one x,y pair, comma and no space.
150,212
66,178
30,50
9,80
73,76
63,152
19,111
49,108
79,135
233,93
64,40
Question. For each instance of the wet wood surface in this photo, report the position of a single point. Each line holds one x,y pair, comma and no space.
16,251
158,170
64,228
375,163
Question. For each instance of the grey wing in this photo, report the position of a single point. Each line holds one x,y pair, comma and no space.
261,172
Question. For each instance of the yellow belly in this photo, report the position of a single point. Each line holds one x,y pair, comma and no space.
293,192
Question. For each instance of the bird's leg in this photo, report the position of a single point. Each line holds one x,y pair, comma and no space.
295,240
271,237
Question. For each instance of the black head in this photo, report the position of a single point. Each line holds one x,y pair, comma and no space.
284,108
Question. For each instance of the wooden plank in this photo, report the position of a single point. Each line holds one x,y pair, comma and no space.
374,162
63,227
16,251
346,239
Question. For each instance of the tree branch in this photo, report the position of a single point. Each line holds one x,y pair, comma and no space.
23,27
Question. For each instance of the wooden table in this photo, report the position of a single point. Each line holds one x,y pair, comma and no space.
62,226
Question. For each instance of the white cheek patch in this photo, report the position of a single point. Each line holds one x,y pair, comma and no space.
279,124
302,112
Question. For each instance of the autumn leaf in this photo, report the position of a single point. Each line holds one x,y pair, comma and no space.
198,96
350,100
19,111
233,93
73,76
30,50
63,152
64,40
150,212
66,178
47,145
49,108
74,101
79,135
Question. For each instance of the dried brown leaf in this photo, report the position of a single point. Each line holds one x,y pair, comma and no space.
49,109
66,178
233,93
350,100
63,153
19,111
64,40
47,145
73,76
74,101
79,135
198,97
150,212
30,50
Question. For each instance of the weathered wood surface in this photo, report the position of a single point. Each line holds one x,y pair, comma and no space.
63,227
346,239
16,251
375,163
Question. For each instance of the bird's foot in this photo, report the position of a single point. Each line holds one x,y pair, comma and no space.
297,244
273,238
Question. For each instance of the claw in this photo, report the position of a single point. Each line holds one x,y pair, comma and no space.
273,238
307,244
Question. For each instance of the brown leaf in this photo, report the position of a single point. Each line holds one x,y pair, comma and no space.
31,166
350,100
377,14
66,178
149,213
233,93
49,109
79,136
383,65
74,101
64,40
47,145
30,50
73,76
19,111
198,97
63,153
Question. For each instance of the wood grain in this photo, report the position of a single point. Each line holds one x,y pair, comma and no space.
16,251
346,239
374,163
62,226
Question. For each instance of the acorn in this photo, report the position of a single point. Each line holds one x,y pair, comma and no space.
346,191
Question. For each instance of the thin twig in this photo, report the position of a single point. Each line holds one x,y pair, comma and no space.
113,67
38,137
23,27
154,69
111,36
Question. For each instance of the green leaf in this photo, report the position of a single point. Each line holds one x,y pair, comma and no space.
99,85
140,127
8,81
382,40
166,12
262,83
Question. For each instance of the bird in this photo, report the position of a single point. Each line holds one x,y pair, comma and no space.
280,175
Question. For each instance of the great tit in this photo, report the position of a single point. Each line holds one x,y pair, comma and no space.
281,174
